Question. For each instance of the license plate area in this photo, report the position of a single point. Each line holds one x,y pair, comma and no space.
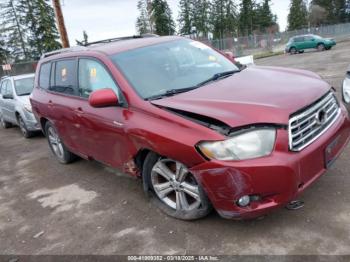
331,152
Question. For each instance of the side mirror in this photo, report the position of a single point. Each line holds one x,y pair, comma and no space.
7,96
103,98
230,56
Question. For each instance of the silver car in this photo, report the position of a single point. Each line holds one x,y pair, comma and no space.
15,108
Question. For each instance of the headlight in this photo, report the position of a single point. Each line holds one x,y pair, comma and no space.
346,91
247,145
28,108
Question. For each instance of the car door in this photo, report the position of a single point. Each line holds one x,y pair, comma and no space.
103,129
299,43
8,107
309,42
64,102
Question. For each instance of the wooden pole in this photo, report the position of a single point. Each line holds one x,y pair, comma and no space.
60,22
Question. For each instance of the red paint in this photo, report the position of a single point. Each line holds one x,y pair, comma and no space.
103,98
115,134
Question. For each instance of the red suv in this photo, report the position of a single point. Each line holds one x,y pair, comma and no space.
198,130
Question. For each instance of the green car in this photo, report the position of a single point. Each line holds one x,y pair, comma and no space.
298,44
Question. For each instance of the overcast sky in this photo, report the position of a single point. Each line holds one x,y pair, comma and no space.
113,18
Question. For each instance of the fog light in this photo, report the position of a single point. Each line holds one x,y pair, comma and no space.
243,201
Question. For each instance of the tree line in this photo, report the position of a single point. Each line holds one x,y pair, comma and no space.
219,17
318,13
27,29
225,18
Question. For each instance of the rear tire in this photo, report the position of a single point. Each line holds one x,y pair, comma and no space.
293,51
56,145
25,132
174,190
321,47
3,123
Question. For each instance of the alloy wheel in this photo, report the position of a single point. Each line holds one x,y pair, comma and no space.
55,143
175,185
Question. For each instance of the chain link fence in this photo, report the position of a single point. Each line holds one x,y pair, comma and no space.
259,44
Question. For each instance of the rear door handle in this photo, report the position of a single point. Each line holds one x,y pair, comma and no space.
79,111
50,104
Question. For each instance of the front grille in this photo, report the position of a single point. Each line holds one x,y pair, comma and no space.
306,126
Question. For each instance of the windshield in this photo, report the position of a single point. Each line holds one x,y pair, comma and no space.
24,86
180,64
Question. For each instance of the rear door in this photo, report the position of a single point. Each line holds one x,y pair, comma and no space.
65,103
102,129
310,42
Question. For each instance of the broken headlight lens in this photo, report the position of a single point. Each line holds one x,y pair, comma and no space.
242,146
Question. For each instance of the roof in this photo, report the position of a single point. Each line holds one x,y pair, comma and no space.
18,76
115,46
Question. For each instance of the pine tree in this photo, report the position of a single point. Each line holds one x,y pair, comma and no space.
223,18
247,17
162,17
185,19
41,21
144,23
298,15
13,30
201,16
265,18
4,53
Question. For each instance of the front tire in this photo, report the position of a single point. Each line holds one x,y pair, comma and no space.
3,123
56,145
25,132
174,189
321,47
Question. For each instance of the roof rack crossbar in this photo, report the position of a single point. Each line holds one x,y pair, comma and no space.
110,40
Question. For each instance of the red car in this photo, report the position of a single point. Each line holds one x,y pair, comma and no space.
200,131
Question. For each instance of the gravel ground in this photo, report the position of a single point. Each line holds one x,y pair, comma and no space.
86,208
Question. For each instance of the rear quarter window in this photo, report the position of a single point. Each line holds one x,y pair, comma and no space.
44,75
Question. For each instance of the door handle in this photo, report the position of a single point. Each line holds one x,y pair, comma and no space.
79,111
50,104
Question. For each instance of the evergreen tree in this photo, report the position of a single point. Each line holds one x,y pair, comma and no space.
41,22
201,16
4,53
144,22
223,18
185,16
265,18
298,15
247,16
162,17
13,30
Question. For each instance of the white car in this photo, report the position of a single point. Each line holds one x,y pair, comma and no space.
15,108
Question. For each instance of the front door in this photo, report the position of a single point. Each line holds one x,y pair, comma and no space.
102,129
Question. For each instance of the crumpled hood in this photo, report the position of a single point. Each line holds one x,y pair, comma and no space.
255,95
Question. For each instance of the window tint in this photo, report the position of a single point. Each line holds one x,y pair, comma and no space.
93,76
44,78
65,77
24,86
299,39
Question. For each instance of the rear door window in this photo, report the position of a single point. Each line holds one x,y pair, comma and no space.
44,76
65,77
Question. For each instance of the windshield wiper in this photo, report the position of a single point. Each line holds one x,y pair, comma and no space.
217,77
171,92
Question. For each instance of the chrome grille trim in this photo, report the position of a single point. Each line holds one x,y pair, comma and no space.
304,128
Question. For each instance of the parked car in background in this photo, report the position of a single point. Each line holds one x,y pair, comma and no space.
15,107
346,89
198,130
298,44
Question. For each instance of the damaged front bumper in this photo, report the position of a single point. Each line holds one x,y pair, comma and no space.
272,181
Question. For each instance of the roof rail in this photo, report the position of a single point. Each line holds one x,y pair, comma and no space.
110,40
64,50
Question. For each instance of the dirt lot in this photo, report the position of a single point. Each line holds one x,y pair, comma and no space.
85,208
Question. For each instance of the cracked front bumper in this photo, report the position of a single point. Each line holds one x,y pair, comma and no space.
277,179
